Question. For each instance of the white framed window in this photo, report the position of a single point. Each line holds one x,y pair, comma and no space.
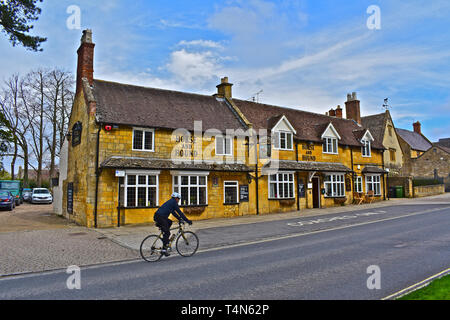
193,189
141,189
143,139
334,185
283,140
224,146
358,184
330,145
366,148
281,186
231,192
373,183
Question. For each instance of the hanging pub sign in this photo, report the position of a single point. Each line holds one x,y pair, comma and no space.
76,134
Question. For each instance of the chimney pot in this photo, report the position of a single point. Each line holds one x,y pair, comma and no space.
353,108
338,112
224,88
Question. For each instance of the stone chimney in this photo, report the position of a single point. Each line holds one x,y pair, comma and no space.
417,127
85,68
224,88
353,107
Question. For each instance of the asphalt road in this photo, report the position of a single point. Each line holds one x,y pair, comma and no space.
296,259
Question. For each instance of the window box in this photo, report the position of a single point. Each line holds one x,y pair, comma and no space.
287,202
340,200
194,209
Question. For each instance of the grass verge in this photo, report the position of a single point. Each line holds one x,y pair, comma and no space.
437,290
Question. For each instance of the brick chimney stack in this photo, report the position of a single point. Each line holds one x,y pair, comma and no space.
338,112
417,127
353,107
85,68
224,88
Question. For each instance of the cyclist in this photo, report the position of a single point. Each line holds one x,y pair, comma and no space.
162,220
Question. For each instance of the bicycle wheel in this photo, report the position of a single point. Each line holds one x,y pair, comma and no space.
187,244
151,248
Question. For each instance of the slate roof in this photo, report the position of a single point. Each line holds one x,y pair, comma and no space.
309,126
376,125
157,108
116,162
414,139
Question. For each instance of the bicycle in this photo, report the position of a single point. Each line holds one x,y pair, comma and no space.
186,244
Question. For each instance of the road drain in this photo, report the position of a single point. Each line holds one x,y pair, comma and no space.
77,234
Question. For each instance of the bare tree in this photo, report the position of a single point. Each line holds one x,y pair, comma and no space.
59,96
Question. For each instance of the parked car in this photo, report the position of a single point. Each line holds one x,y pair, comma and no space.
7,200
26,194
15,187
41,195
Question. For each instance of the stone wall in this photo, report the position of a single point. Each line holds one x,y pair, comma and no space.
426,191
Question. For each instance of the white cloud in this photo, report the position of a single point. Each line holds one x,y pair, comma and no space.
201,43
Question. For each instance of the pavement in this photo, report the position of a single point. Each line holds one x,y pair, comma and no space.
33,239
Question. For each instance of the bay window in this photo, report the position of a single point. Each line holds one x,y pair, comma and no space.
193,189
141,190
281,186
373,183
334,185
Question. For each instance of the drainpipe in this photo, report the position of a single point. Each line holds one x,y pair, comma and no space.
384,177
297,177
97,175
353,172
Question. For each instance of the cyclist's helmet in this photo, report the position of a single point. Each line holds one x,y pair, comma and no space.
176,195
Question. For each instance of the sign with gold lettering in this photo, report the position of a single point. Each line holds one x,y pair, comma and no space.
308,156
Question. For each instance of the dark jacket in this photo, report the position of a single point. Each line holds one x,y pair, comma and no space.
171,207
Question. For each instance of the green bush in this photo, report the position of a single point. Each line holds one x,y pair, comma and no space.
426,182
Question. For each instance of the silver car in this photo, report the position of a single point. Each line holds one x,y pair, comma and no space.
41,195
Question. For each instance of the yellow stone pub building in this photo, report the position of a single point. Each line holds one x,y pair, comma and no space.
130,147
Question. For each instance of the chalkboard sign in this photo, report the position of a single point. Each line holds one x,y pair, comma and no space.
301,189
70,197
243,193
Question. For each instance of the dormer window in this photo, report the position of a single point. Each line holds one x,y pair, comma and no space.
283,134
330,145
366,141
224,146
283,140
330,139
366,149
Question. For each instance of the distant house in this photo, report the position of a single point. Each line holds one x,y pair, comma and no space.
434,163
383,129
443,143
413,144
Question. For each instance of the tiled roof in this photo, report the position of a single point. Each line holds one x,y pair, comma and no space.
166,164
140,106
414,139
309,126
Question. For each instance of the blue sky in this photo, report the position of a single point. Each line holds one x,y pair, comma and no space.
305,54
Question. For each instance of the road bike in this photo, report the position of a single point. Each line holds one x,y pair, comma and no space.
186,244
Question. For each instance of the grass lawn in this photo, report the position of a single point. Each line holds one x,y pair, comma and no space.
437,290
